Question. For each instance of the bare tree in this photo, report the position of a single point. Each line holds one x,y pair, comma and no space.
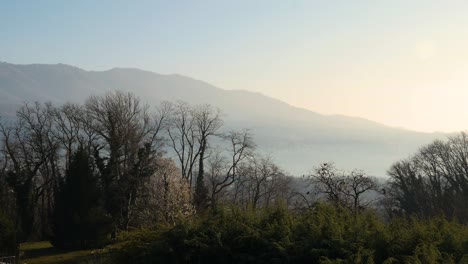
260,182
343,189
31,169
125,148
433,181
216,174
207,123
223,168
329,182
183,138
36,149
357,184
67,126
190,130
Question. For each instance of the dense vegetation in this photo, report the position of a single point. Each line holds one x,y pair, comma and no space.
324,234
79,220
171,185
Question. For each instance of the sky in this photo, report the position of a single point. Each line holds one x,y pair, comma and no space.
400,63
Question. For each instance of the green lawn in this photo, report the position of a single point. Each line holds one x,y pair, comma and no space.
45,253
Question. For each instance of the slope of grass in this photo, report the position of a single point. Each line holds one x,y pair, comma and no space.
44,253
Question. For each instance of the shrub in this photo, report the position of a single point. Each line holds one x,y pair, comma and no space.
324,234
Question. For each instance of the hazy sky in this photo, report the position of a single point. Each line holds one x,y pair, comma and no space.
401,63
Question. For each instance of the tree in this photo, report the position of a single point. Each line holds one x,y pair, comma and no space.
127,144
343,189
31,168
260,182
207,122
223,167
357,185
80,220
329,182
183,138
189,133
165,196
434,181
68,129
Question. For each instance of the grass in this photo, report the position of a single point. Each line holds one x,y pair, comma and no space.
44,253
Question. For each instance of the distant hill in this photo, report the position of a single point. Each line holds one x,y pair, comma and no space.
298,139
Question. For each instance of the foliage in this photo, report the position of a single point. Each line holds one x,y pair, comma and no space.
324,234
87,172
79,218
167,196
434,181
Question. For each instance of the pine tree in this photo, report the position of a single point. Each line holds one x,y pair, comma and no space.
79,218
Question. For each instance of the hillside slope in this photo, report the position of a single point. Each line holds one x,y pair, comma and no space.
298,139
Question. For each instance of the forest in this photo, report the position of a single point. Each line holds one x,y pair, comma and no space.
172,184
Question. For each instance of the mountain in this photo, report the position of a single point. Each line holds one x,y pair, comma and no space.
297,138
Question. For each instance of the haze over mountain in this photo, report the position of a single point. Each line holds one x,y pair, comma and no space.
298,139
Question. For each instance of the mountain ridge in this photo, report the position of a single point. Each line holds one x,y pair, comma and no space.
120,69
280,128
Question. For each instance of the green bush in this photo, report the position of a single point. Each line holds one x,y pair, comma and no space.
324,234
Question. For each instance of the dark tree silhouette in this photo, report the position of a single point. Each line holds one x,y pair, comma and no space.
434,181
80,220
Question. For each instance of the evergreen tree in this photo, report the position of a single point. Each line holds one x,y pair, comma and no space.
79,218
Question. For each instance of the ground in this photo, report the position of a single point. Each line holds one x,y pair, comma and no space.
45,253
